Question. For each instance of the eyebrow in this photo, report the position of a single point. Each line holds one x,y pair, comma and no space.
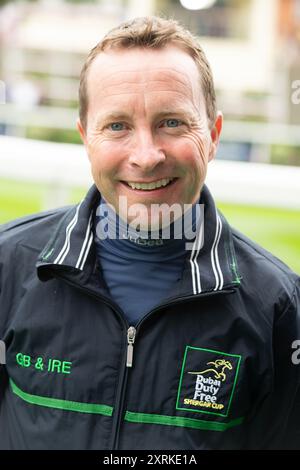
176,112
113,116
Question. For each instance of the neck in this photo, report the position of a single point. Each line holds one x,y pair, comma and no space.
109,225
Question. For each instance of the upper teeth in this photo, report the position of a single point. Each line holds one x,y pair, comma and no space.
153,185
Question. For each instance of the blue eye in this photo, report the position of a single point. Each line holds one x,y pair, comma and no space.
116,126
173,122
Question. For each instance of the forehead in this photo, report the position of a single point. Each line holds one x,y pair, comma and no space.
124,71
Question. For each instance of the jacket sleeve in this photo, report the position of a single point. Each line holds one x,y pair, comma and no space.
3,318
287,359
2,346
278,422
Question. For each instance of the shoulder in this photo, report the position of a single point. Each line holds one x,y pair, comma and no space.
262,272
33,230
28,221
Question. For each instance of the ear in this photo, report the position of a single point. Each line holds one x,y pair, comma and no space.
215,135
81,131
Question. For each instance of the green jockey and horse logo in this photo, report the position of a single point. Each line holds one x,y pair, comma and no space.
207,381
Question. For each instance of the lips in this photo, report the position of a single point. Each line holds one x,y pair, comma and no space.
140,185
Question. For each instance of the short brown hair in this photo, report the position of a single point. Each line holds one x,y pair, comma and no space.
155,33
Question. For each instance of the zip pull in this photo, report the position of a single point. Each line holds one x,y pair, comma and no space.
131,332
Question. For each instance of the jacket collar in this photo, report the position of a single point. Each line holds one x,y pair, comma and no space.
210,264
71,248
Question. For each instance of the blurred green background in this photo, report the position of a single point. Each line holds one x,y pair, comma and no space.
277,230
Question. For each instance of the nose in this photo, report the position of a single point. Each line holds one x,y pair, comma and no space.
145,153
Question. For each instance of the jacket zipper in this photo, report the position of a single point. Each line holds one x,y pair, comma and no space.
131,337
119,409
131,333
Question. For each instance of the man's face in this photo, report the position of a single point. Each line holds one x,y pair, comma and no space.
147,124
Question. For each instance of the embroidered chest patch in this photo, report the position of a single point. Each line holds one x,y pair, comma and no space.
207,381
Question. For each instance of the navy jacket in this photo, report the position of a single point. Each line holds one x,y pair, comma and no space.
214,366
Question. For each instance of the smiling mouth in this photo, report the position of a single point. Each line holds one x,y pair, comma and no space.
150,186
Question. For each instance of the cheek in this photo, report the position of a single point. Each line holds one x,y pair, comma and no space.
201,144
193,151
104,155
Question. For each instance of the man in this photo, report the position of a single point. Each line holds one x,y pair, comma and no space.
117,336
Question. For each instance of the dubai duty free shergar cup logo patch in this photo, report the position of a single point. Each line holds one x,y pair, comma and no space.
207,381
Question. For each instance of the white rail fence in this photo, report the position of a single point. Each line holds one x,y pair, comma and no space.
63,118
61,167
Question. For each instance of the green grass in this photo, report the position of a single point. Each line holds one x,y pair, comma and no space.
277,230
18,199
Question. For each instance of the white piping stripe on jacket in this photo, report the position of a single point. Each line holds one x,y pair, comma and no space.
86,240
87,251
215,256
65,249
193,275
194,265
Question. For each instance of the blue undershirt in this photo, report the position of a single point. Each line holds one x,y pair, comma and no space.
140,274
